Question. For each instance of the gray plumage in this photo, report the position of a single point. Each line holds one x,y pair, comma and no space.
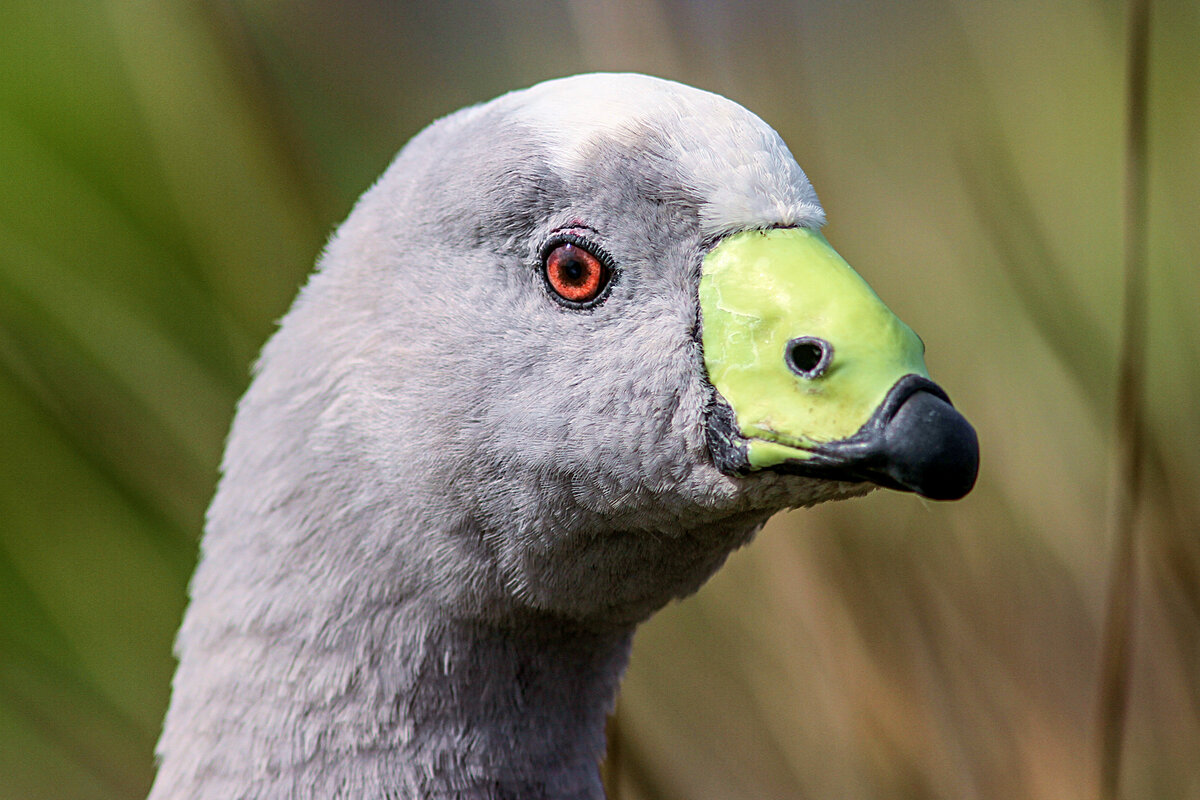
447,500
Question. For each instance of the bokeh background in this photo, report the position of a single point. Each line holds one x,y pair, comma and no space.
170,170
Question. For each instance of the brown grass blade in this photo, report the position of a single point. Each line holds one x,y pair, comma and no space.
1117,655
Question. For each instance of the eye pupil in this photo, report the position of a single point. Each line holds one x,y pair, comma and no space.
574,274
573,270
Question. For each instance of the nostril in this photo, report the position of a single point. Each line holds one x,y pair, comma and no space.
808,356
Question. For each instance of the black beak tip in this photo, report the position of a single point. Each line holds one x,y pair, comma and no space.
914,442
930,448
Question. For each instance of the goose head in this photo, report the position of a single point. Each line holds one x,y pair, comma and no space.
595,324
596,316
575,346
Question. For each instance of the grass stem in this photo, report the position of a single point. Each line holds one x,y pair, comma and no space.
1116,664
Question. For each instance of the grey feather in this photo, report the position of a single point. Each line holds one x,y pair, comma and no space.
447,500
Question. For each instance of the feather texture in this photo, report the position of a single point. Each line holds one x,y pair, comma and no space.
447,500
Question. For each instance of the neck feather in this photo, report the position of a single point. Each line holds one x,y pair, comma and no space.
403,702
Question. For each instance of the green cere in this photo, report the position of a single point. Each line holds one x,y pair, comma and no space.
761,289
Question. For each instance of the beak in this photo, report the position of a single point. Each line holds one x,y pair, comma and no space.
914,442
813,375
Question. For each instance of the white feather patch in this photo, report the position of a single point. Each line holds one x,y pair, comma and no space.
739,166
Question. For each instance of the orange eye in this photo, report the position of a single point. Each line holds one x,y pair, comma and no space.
574,274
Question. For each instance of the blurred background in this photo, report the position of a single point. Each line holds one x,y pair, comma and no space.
169,171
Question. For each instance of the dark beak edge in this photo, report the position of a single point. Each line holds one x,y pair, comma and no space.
914,442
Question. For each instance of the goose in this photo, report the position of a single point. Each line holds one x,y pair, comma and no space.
573,348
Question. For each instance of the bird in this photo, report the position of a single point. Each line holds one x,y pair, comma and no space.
574,347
